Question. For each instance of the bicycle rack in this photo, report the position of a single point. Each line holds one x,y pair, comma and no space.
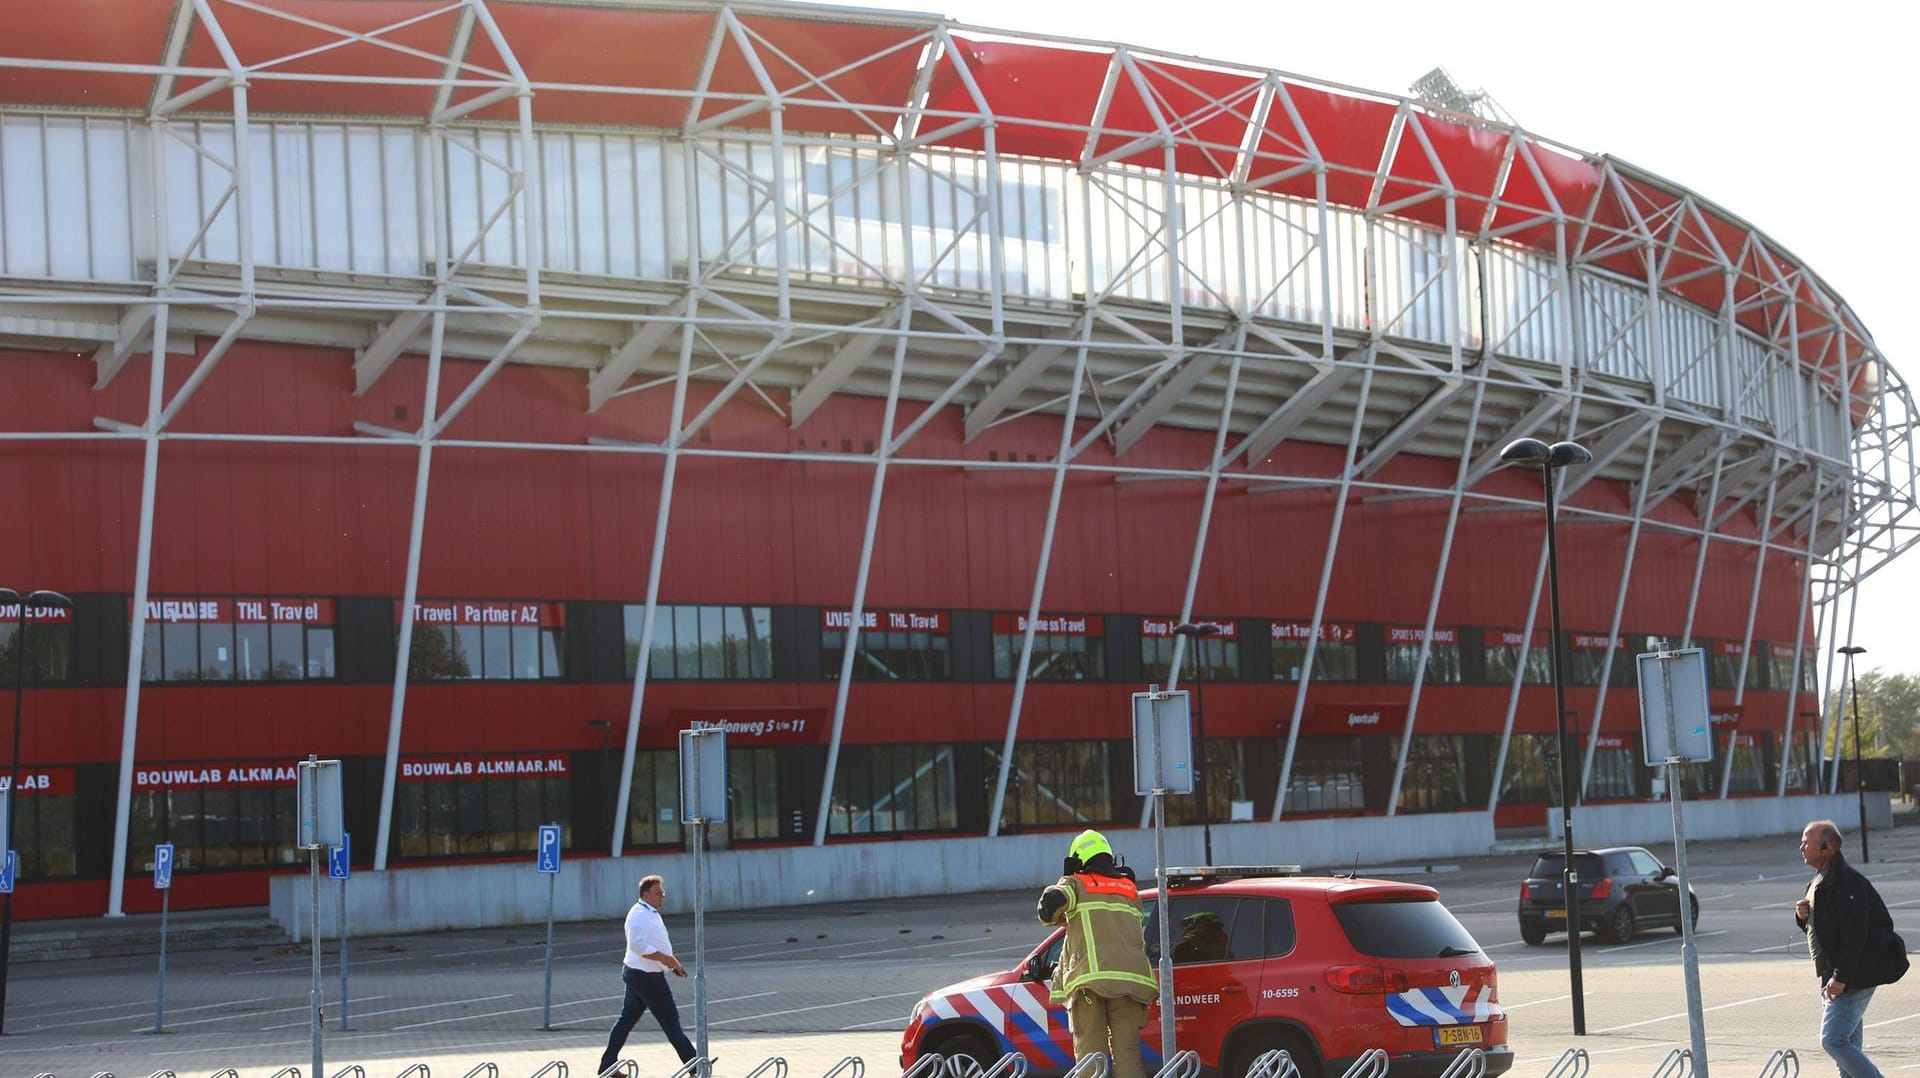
1093,1066
626,1067
697,1067
1471,1063
1781,1064
102,1074
421,1067
491,1070
1573,1063
925,1067
1274,1063
554,1066
1678,1064
1184,1064
163,1074
1371,1064
770,1067
1011,1065
225,1072
855,1067
354,1069
283,1072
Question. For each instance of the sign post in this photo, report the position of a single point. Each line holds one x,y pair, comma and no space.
703,801
1676,727
1162,765
320,827
162,882
8,871
339,867
546,860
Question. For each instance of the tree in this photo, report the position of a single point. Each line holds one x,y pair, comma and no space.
1889,716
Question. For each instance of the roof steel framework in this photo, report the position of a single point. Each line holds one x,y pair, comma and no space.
1688,350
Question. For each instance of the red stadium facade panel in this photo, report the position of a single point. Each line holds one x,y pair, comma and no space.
884,390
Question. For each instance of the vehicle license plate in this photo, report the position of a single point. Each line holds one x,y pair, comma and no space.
1445,1036
1556,915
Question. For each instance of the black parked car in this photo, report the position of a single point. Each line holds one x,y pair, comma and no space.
1623,889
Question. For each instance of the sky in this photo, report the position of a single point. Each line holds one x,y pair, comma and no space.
1791,116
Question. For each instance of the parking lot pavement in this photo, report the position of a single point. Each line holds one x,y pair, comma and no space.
815,985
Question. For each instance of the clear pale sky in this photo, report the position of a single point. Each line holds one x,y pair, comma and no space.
1793,116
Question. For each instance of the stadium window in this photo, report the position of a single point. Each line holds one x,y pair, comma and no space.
1218,655
1436,774
703,643
1587,656
217,814
893,789
43,822
894,645
1327,776
461,639
753,794
1066,647
49,644
1403,655
1780,668
1337,658
1616,768
463,806
1723,664
1532,774
1056,783
1503,648
238,640
1748,775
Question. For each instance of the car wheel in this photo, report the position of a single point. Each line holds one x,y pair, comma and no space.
1534,935
1620,928
973,1047
1695,917
1305,1060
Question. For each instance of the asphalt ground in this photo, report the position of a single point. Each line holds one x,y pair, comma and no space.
817,984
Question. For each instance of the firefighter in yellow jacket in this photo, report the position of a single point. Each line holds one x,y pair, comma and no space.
1103,975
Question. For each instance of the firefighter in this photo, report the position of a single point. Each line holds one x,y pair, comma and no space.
1103,975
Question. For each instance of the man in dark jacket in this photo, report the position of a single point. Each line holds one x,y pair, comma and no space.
1844,920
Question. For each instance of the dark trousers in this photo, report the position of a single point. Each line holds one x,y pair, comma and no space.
646,992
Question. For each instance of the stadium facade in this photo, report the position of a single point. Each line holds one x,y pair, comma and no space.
481,392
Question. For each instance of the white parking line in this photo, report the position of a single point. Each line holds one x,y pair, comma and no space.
1018,948
575,1003
1535,1002
1508,901
1607,1051
1683,1014
402,1010
250,1014
802,950
897,1023
816,1007
1890,1021
138,1010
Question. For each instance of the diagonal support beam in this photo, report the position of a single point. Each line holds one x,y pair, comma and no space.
109,358
1619,441
1681,467
1265,438
638,349
1195,371
1532,420
371,362
1408,426
829,378
1732,478
1008,390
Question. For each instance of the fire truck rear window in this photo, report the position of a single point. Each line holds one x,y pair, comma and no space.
1415,929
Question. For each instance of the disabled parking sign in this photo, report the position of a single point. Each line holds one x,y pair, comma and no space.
547,859
339,860
7,872
163,866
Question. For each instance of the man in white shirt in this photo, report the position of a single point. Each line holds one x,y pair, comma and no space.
649,958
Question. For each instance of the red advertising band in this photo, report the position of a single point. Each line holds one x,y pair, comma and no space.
894,621
187,776
1223,629
248,611
1413,634
747,727
10,613
465,612
1597,642
1509,638
504,766
1050,624
1730,648
1781,651
45,781
1330,631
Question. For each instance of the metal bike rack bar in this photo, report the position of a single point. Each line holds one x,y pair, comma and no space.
1471,1063
1011,1065
425,1072
559,1069
965,1067
1274,1063
1781,1064
1371,1064
770,1067
925,1067
225,1072
1184,1064
163,1074
626,1067
1573,1063
283,1072
855,1067
1678,1064
1093,1066
697,1067
354,1069
491,1070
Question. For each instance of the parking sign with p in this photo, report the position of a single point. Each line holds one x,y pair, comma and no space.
547,856
163,866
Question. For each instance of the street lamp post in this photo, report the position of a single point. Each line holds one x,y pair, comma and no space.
1550,458
1859,775
22,606
1196,632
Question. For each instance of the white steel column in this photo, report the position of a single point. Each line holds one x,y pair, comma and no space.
1519,677
1746,645
1620,605
1799,649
